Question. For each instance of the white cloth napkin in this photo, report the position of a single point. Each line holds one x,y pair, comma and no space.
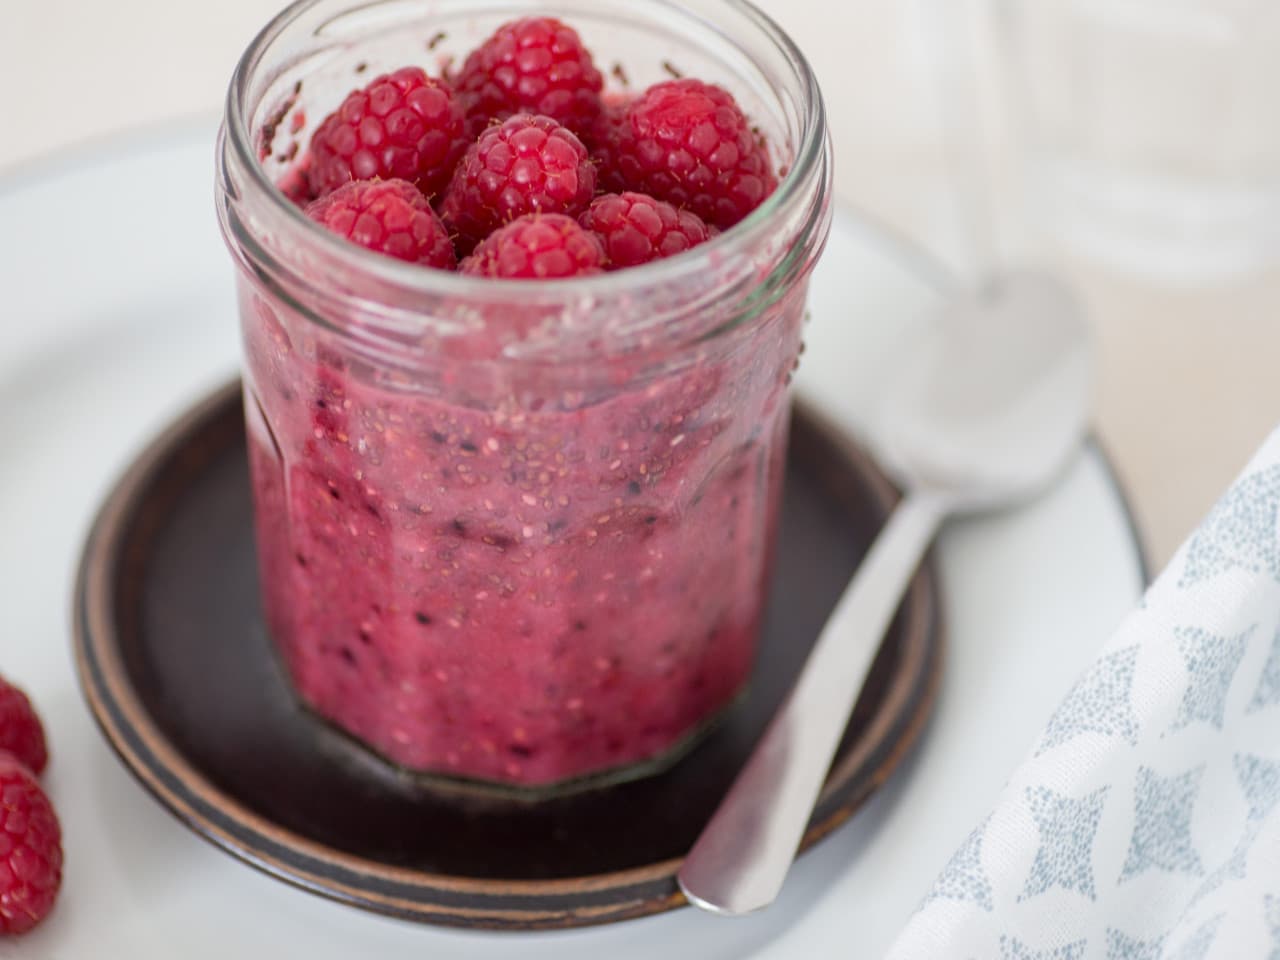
1145,824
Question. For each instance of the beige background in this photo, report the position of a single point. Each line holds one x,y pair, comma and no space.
1188,383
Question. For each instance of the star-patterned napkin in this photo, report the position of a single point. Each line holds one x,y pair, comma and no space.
1145,824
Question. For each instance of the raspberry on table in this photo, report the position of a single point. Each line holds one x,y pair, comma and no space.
634,228
527,164
21,734
537,247
688,143
533,65
403,125
30,849
387,216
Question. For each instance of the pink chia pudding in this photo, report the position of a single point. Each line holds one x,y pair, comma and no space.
517,596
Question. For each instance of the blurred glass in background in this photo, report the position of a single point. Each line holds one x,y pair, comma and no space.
1149,130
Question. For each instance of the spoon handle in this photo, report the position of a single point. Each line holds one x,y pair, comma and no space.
741,858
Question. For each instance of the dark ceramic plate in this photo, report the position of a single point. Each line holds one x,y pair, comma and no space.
175,664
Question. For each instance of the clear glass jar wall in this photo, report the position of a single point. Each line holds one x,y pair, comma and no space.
517,532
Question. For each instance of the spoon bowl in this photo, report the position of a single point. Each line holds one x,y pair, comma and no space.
995,401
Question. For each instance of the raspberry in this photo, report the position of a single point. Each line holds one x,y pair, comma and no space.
387,216
403,125
30,849
635,228
534,65
688,143
537,247
528,164
602,137
20,732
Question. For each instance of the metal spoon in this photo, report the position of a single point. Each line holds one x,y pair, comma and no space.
986,413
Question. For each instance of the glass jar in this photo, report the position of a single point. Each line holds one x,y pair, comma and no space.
517,532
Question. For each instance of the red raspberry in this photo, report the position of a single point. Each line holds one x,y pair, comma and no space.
30,849
20,732
602,138
387,216
403,125
534,65
527,164
635,228
537,247
688,143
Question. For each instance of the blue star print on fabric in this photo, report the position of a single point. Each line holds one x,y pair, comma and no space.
1239,533
1162,824
1098,703
1198,944
1260,781
1212,662
1271,906
1011,948
1268,692
963,877
1120,946
1067,828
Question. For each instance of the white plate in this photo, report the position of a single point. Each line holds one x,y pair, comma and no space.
119,312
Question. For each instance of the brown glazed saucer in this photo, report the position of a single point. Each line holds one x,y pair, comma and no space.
176,666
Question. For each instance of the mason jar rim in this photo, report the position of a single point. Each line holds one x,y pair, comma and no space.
791,190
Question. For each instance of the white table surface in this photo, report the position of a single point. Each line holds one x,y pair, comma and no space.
1187,388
